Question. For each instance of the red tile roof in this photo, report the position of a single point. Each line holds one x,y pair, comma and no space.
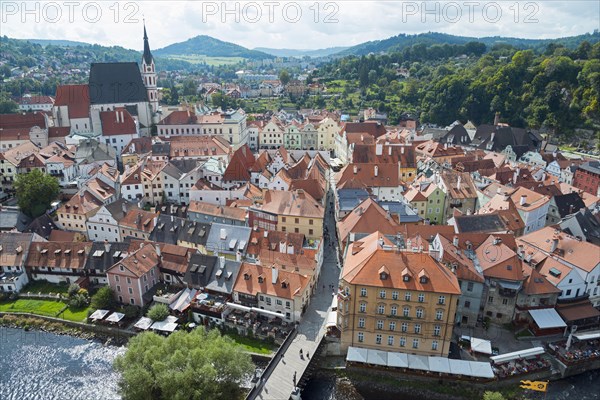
117,122
76,98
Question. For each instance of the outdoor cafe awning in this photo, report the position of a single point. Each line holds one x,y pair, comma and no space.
460,367
398,360
99,314
517,354
144,323
547,318
168,325
587,335
331,319
115,317
439,364
377,357
481,345
356,354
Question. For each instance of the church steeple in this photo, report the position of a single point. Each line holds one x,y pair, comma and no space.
148,59
149,74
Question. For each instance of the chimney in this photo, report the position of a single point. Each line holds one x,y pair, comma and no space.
523,199
497,119
106,246
380,241
274,275
158,253
154,220
468,211
520,251
458,182
401,149
455,241
554,244
238,256
355,168
376,170
290,248
124,207
389,150
282,247
221,262
445,146
378,149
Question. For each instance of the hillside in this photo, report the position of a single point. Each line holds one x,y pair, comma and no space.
211,47
400,42
302,53
65,43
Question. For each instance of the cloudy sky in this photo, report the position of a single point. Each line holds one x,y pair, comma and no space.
288,24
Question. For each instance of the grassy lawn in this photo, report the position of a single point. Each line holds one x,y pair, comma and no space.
76,315
41,307
253,345
45,287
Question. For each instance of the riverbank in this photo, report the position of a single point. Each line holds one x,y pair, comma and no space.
29,322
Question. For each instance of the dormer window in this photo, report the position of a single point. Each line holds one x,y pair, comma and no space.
406,278
423,279
383,276
261,279
247,277
284,285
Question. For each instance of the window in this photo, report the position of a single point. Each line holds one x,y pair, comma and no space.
419,313
382,294
436,330
390,340
402,341
361,322
118,288
467,304
116,278
394,310
569,292
128,281
279,302
297,220
287,304
415,343
395,295
132,301
439,315
421,297
379,324
490,299
361,337
407,296
363,307
268,301
378,339
442,300
392,326
130,291
406,311
381,309
470,286
363,292
434,345
404,327
417,328
310,221
504,301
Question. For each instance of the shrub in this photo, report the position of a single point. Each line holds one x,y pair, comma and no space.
103,299
158,312
73,289
78,301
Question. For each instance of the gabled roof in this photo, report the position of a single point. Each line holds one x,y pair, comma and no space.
70,255
568,204
535,283
583,223
117,122
367,217
139,262
459,185
76,98
372,128
184,117
240,165
297,203
260,281
81,203
104,77
484,223
388,175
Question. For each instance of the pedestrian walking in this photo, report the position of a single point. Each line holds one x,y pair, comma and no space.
301,354
294,378
307,355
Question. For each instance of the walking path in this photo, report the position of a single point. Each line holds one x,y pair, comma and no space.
290,367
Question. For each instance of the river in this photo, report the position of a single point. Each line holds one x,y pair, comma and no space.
43,366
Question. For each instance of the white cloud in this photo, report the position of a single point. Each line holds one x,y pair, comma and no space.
176,21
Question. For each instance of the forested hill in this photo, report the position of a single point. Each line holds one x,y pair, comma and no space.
557,89
209,46
402,41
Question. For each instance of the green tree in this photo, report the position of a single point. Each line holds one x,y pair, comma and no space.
158,312
284,77
7,106
35,192
73,289
191,366
493,396
103,299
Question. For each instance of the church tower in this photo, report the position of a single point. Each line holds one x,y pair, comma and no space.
149,74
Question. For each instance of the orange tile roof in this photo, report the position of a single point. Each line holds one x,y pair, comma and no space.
365,259
139,262
536,283
388,175
81,203
76,98
296,203
295,283
533,200
58,254
367,217
139,219
217,211
240,165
